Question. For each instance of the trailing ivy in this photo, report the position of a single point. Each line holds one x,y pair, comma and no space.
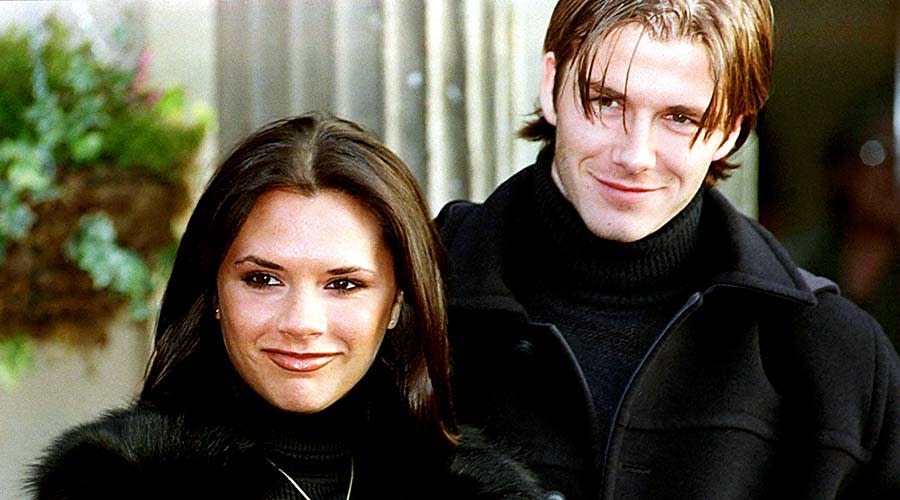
93,249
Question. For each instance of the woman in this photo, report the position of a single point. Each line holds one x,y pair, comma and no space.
301,344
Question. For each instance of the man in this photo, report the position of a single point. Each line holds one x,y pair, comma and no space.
618,325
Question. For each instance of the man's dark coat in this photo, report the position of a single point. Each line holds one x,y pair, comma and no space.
758,388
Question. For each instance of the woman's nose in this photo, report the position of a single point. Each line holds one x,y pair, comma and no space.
304,313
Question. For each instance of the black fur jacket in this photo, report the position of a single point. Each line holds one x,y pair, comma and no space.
144,454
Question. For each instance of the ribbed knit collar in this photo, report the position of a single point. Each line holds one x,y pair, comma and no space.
333,431
314,449
553,248
324,435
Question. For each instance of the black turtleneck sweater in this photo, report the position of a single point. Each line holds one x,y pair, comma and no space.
609,300
314,450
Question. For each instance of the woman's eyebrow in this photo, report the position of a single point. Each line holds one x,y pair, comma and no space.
334,271
259,261
351,270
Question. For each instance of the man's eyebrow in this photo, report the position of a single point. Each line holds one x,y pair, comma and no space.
602,90
678,109
689,111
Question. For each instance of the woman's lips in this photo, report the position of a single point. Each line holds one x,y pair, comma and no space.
300,362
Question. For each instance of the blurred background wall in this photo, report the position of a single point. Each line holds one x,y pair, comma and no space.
828,180
445,83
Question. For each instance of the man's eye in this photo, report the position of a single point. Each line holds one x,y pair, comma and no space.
603,102
602,105
342,284
260,280
682,119
607,102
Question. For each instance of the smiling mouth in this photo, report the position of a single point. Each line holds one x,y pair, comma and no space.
624,187
300,362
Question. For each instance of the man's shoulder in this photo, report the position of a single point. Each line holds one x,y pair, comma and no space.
453,215
464,216
839,348
837,317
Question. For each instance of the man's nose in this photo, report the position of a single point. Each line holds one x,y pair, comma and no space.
635,149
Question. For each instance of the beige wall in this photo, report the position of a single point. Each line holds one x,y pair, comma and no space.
65,388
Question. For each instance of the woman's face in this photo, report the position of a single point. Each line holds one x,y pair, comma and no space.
306,292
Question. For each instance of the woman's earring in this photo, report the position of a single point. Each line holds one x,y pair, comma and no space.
218,314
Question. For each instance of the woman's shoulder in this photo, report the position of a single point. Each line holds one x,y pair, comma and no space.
141,452
481,470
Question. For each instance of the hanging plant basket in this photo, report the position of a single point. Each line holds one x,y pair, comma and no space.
44,292
91,166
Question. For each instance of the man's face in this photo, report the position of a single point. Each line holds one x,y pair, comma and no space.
632,168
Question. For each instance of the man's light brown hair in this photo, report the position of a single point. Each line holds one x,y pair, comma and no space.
737,36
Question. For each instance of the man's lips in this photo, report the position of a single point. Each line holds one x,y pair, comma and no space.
300,362
627,188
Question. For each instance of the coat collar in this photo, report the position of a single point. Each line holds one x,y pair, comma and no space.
755,261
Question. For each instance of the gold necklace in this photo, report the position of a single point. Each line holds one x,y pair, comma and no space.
289,478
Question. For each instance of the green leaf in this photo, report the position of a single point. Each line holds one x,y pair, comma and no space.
16,358
20,150
18,221
29,176
170,105
16,218
87,147
81,74
48,118
93,249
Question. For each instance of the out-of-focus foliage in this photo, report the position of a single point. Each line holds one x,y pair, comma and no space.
93,248
16,357
60,106
69,120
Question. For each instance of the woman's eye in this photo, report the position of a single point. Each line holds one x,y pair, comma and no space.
342,284
261,280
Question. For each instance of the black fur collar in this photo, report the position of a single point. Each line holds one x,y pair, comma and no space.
142,453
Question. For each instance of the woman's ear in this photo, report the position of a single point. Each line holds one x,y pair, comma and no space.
395,310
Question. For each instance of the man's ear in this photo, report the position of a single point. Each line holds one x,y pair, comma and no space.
395,310
730,140
548,82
